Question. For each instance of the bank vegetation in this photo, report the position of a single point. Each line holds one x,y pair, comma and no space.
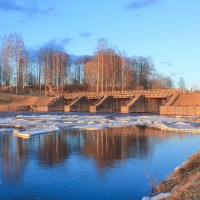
184,183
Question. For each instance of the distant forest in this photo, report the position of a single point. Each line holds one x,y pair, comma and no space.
53,71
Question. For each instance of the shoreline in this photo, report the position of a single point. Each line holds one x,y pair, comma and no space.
183,183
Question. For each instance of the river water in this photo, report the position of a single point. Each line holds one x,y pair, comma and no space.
115,163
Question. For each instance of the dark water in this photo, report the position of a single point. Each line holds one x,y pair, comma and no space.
104,164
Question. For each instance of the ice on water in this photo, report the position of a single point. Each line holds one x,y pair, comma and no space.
43,123
158,197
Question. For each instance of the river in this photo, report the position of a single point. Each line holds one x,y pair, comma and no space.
113,163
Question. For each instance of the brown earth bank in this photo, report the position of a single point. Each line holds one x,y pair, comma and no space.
184,182
14,103
191,99
19,100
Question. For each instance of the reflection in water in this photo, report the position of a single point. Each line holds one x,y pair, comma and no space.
14,158
56,166
53,149
108,146
104,146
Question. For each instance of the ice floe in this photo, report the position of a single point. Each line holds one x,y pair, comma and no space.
47,123
35,131
158,197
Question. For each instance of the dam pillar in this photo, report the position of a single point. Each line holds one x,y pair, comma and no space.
134,104
103,104
78,104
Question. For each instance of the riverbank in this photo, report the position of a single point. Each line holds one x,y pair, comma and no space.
184,182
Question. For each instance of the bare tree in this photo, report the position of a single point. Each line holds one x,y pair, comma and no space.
53,69
107,70
181,84
159,81
20,58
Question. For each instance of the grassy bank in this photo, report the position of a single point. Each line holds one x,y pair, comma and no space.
184,183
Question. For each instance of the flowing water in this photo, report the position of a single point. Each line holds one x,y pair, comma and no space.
114,163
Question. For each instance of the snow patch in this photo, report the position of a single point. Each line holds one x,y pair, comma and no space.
158,197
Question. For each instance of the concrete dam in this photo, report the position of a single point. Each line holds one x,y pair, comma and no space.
165,102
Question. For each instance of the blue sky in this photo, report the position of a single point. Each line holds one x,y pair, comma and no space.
166,30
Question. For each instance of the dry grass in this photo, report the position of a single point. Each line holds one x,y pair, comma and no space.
19,100
184,183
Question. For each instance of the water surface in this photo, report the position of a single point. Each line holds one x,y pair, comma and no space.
101,164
